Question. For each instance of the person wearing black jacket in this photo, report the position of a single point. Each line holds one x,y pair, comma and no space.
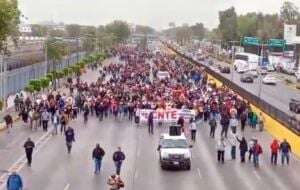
98,154
29,146
70,138
118,158
225,124
243,148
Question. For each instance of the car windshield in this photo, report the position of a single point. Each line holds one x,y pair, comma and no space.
241,57
174,143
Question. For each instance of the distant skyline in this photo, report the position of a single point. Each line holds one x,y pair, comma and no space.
155,13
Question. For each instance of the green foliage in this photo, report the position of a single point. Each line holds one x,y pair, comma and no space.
198,31
59,74
119,29
44,82
36,84
56,49
73,30
29,88
289,13
9,21
66,71
39,30
1,104
183,34
228,24
50,76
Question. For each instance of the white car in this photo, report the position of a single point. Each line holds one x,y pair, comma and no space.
269,79
174,151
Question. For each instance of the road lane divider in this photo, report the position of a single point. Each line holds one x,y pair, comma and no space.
272,126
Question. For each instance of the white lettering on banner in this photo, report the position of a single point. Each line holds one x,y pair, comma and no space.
167,116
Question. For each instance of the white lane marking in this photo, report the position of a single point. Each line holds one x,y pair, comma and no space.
67,187
136,175
138,152
199,173
21,162
256,175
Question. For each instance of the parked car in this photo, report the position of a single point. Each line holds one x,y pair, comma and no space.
269,79
247,78
225,69
294,105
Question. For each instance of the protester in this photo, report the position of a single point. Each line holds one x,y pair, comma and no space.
221,145
98,154
274,151
193,129
70,138
285,149
243,148
115,182
257,151
14,182
118,158
29,146
8,121
213,125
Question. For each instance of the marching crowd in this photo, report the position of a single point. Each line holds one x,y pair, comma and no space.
124,87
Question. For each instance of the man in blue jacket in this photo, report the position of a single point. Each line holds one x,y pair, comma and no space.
14,182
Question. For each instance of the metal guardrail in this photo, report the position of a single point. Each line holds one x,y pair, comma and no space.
291,122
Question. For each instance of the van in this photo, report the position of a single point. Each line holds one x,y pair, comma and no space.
244,62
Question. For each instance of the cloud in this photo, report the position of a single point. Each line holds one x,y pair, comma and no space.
156,13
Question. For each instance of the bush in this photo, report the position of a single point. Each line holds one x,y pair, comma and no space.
45,82
49,76
29,88
1,104
59,74
66,71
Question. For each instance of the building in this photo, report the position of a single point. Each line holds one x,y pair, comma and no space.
25,29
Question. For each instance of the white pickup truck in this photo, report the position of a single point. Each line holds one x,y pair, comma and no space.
174,151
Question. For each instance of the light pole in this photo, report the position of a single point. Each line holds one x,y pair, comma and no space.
232,57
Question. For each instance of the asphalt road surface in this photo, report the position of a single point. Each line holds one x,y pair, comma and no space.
54,169
278,95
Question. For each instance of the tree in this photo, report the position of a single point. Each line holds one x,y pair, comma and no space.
39,30
57,33
183,34
73,30
228,24
88,34
120,29
289,12
140,29
9,21
247,25
198,30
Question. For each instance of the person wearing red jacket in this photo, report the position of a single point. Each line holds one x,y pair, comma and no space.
274,151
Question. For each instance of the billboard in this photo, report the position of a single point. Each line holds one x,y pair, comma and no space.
290,32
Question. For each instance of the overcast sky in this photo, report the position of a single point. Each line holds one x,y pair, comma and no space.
156,13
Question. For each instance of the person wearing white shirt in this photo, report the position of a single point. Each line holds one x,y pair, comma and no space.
193,129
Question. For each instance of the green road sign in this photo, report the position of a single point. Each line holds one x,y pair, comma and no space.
276,43
251,41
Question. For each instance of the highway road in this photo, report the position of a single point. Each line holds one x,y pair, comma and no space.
278,95
53,168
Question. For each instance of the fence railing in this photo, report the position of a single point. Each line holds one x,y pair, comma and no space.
289,121
17,79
